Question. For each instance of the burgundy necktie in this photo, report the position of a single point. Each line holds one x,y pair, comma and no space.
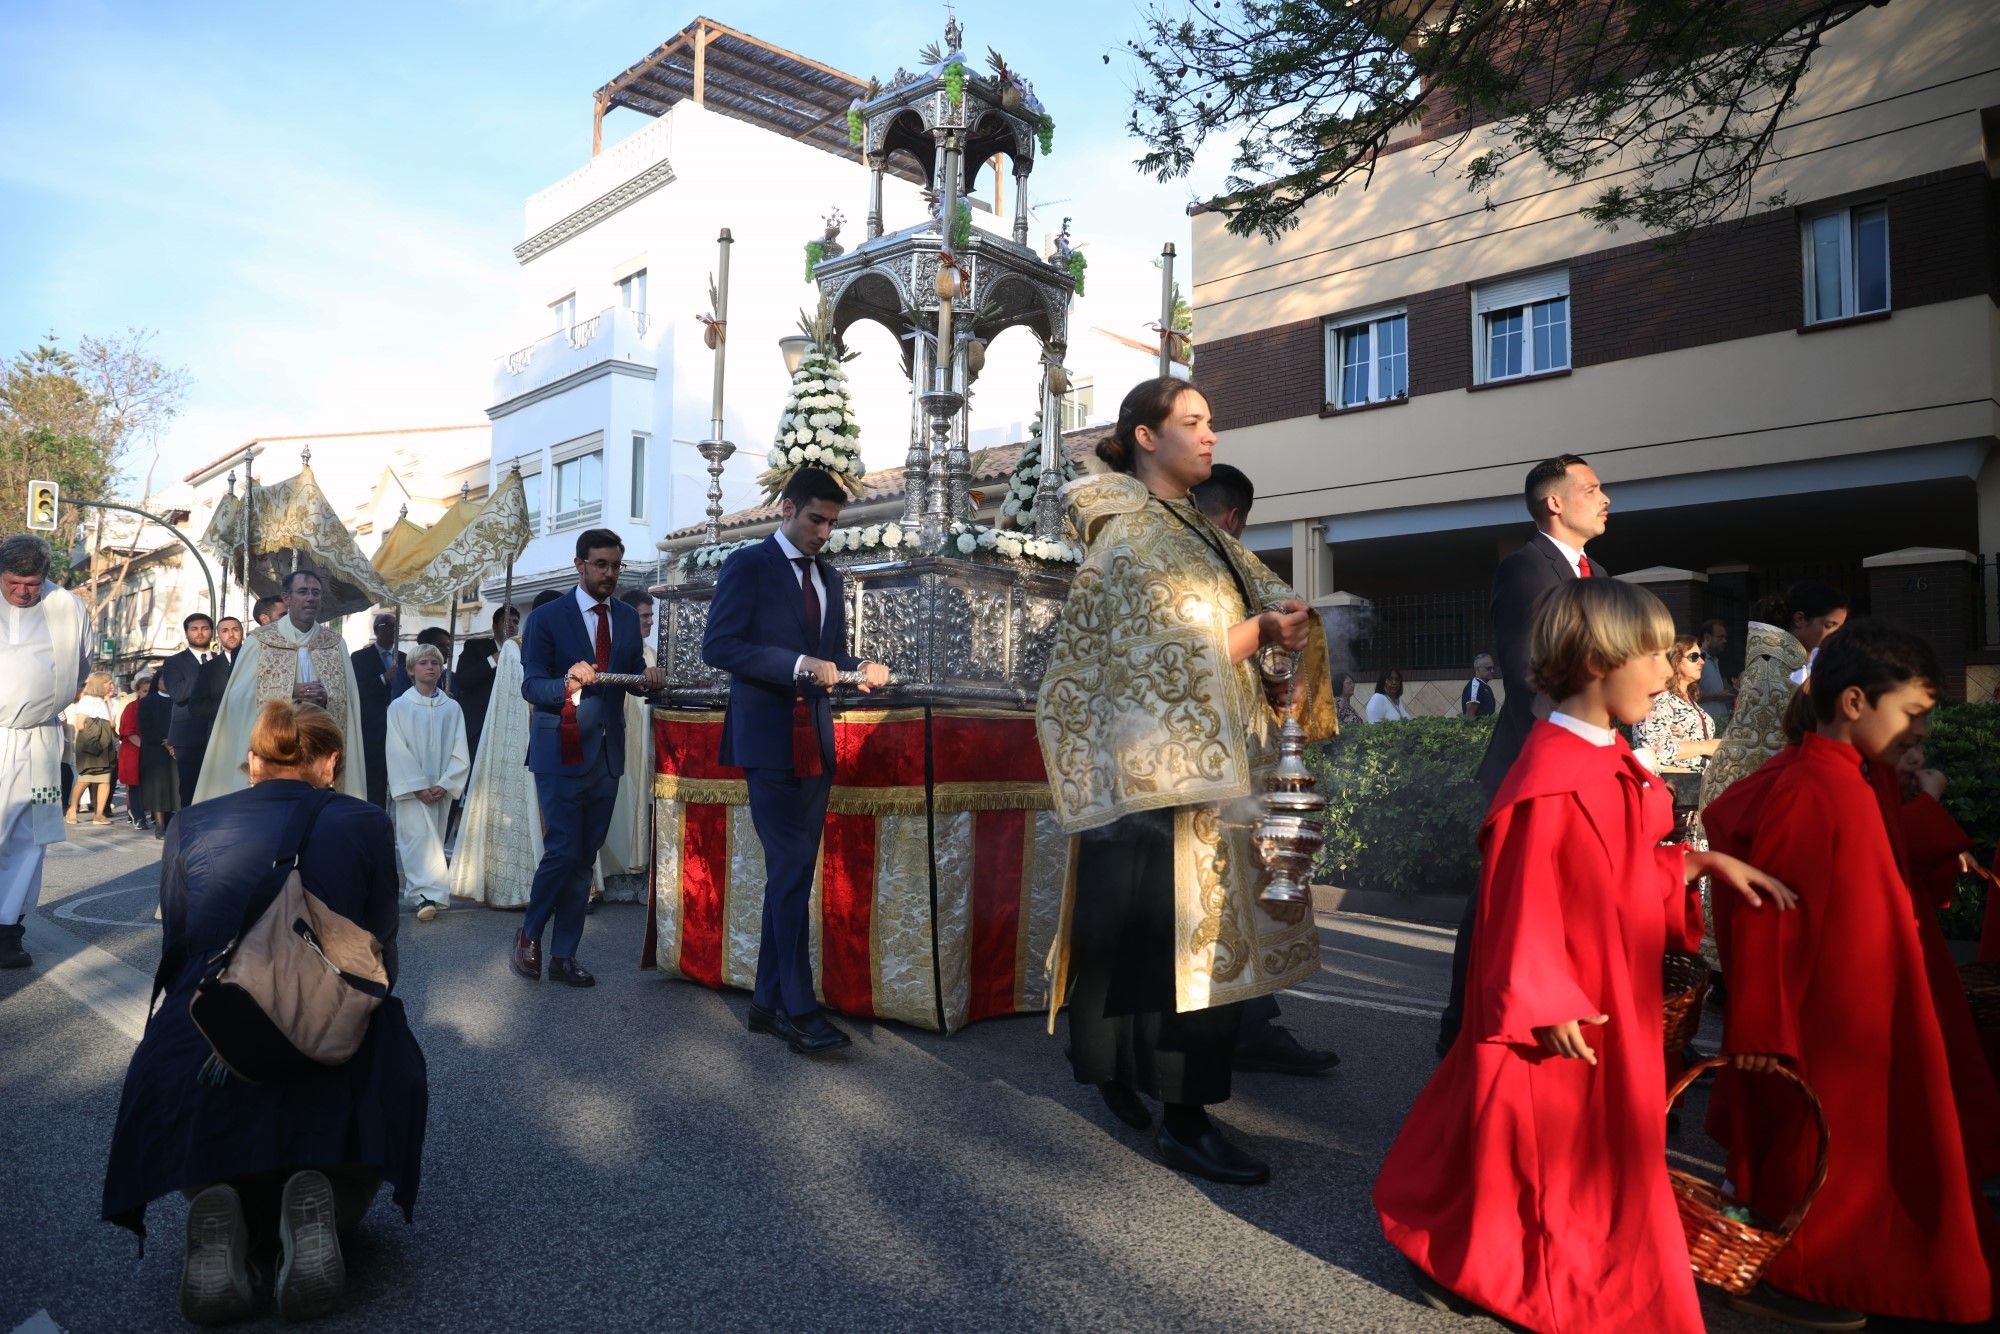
805,732
568,735
1582,566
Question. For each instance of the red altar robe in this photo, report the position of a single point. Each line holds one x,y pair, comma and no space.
1535,1185
1848,990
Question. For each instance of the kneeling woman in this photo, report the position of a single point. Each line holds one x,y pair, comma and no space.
287,1163
1153,721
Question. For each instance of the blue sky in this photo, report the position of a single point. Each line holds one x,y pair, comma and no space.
313,206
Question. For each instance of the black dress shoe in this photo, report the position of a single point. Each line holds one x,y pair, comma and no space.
814,1034
1125,1104
570,973
1211,1156
764,1020
1273,1050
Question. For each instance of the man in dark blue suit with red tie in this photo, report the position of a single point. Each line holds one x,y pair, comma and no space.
576,744
777,625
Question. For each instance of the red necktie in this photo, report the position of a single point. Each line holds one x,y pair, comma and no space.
1582,566
568,735
805,731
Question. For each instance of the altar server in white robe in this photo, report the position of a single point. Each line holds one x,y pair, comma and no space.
427,765
627,847
293,657
43,641
500,830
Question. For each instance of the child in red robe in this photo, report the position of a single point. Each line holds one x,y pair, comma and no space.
1530,1178
1846,992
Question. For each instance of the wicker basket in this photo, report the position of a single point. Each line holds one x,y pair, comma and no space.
1724,1251
1982,991
1686,984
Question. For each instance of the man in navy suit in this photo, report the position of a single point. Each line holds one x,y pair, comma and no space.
187,732
1570,509
777,625
576,744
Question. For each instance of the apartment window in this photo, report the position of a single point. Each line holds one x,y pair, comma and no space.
1368,359
531,489
1846,263
1521,326
632,292
565,313
639,475
578,499
1079,405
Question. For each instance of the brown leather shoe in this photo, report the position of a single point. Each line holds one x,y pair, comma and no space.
570,973
527,957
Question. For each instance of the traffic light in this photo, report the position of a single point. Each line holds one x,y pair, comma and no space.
42,500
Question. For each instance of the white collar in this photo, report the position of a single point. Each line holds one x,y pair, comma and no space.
1591,732
792,553
586,602
1574,555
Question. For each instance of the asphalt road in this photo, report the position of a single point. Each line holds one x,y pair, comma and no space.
630,1158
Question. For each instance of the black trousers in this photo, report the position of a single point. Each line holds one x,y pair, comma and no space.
1122,1021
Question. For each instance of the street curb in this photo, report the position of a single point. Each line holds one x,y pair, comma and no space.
1435,909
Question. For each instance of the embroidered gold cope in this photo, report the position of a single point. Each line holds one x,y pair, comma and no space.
1141,709
267,669
1756,729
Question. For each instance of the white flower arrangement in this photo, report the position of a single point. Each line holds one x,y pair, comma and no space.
817,427
1024,484
971,537
711,557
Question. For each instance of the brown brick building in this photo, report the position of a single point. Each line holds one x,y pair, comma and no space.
1813,389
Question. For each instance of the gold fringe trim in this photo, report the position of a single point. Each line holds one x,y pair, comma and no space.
702,791
953,799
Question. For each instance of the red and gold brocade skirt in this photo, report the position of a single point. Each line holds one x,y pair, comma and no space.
941,868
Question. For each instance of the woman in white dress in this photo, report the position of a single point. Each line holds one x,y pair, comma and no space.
1386,704
500,829
425,753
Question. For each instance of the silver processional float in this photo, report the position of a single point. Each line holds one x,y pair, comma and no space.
960,624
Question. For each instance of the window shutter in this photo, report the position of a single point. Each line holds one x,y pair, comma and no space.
1522,291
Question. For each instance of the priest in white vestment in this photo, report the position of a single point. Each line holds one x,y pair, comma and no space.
296,658
500,829
627,848
427,764
44,639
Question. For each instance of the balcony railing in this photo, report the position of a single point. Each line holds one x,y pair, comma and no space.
613,334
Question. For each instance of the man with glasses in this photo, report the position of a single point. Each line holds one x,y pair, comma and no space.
576,745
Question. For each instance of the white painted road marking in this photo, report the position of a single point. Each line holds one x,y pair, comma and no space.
114,989
67,909
1361,1003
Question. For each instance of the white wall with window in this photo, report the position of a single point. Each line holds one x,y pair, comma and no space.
1079,405
1368,358
1846,263
636,491
1520,326
632,292
576,485
564,311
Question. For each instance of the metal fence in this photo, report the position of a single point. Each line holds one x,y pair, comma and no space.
1415,632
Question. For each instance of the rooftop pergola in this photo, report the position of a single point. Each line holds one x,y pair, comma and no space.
735,74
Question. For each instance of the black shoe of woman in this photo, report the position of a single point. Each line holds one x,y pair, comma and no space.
1212,1156
1125,1104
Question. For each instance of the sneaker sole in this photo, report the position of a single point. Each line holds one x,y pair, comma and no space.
313,1275
215,1282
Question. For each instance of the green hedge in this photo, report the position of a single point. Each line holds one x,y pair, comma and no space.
1965,744
1403,806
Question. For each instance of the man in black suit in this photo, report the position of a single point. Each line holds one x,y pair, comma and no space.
1570,510
188,731
376,669
475,672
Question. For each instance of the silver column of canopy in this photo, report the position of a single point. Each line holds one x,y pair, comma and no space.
715,449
